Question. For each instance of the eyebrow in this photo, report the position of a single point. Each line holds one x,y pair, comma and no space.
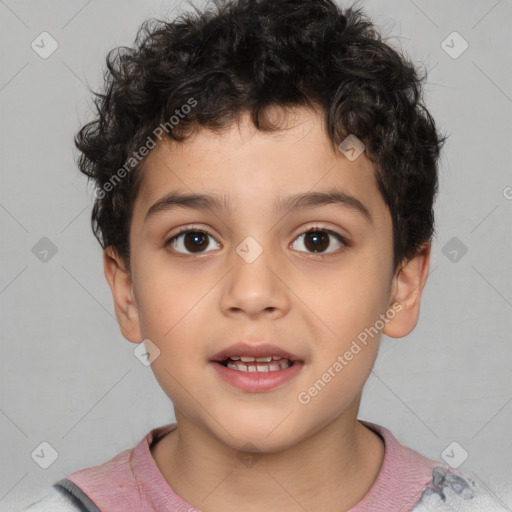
291,203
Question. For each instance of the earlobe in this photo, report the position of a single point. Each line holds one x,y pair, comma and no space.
408,285
120,283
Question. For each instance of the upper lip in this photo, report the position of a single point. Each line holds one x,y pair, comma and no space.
254,350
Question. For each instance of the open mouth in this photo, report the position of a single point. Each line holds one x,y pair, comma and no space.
259,372
257,364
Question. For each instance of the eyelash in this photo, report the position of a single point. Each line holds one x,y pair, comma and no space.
192,229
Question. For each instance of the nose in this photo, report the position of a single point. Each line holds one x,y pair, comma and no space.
256,288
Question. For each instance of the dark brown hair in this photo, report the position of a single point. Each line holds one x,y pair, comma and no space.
242,56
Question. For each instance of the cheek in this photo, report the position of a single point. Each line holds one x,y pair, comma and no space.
175,312
347,301
165,300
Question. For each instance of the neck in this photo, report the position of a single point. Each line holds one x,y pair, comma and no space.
332,468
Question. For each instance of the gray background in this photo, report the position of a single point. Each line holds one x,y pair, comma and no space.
69,378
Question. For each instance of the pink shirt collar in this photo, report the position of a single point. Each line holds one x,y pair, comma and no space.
131,481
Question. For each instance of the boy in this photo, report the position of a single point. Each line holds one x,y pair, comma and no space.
265,176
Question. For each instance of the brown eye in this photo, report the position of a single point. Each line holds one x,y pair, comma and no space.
316,241
191,242
319,240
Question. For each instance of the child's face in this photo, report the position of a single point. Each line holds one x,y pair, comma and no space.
199,296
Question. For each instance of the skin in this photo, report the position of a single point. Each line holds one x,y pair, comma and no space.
311,304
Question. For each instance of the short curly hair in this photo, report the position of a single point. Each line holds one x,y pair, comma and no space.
206,68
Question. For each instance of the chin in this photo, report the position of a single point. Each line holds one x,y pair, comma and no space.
261,436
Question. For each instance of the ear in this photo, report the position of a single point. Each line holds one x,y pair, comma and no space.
120,282
407,287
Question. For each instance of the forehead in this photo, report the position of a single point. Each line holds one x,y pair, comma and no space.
243,166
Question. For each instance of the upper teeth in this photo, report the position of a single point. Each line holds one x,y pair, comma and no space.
259,366
248,359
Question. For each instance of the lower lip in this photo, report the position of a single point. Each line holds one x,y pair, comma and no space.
257,381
